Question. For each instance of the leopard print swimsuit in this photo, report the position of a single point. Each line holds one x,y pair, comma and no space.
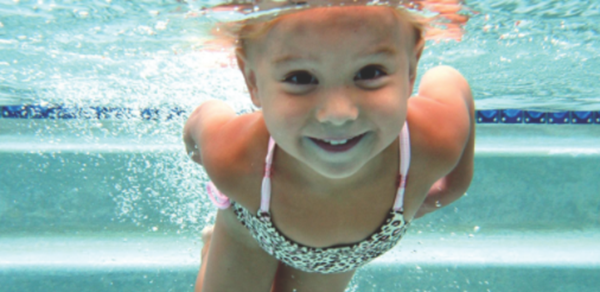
333,259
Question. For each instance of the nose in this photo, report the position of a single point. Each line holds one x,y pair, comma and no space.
337,107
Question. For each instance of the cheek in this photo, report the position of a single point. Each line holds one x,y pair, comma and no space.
284,115
388,104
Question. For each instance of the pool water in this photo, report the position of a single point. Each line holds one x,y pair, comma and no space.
97,192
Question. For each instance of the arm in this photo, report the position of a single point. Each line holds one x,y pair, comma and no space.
203,123
448,86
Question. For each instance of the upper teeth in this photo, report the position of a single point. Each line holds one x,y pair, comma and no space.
336,142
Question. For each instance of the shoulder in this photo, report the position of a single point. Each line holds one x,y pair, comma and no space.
441,117
233,156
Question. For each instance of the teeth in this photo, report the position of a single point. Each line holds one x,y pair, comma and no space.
336,142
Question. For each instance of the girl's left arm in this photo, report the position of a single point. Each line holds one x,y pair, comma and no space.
453,185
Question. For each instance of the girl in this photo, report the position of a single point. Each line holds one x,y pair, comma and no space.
339,160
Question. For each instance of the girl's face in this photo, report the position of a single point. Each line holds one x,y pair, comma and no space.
333,84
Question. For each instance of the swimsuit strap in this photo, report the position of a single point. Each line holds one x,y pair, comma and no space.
404,165
265,192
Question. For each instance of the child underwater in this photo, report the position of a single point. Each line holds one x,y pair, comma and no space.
339,159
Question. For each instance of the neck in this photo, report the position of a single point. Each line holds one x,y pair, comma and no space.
288,166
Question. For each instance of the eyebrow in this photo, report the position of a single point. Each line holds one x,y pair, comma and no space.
381,50
289,58
385,50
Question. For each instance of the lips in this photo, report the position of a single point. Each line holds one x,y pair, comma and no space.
337,145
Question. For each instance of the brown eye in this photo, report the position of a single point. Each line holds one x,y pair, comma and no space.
301,78
369,72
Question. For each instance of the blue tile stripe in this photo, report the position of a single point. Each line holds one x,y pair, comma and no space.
495,116
100,113
517,116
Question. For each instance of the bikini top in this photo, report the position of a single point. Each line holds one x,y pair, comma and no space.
332,259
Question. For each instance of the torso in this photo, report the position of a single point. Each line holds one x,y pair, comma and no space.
308,216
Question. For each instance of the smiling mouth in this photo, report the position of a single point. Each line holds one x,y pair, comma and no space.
331,145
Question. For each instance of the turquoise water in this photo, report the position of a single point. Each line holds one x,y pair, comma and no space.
516,54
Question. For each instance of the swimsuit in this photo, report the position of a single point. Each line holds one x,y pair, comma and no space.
333,259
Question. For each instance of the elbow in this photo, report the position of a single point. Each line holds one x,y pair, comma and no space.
459,179
189,136
192,149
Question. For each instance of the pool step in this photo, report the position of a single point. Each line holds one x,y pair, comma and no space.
432,262
112,212
78,191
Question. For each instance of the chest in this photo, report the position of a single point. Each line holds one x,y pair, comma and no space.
312,218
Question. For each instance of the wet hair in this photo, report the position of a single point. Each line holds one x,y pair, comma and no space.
239,33
428,19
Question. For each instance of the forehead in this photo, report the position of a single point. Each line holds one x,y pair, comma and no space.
352,17
337,27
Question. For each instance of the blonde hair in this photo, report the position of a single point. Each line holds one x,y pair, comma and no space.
237,33
444,21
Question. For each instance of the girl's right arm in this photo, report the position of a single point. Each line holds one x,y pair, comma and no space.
204,122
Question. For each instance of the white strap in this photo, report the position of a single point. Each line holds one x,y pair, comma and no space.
404,165
265,192
404,150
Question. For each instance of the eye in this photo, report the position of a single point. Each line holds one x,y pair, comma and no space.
301,78
369,72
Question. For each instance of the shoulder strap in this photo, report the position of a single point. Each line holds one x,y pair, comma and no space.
265,193
404,165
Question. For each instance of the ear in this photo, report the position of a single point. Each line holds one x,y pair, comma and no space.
249,75
414,61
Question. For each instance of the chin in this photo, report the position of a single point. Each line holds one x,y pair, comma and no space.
339,171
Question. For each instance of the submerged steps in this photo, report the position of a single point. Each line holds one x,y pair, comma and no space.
115,184
112,212
432,262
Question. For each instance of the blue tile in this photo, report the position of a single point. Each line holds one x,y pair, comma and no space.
511,116
36,112
175,112
53,111
487,116
114,113
597,117
582,117
14,112
150,114
87,113
67,113
562,117
535,117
